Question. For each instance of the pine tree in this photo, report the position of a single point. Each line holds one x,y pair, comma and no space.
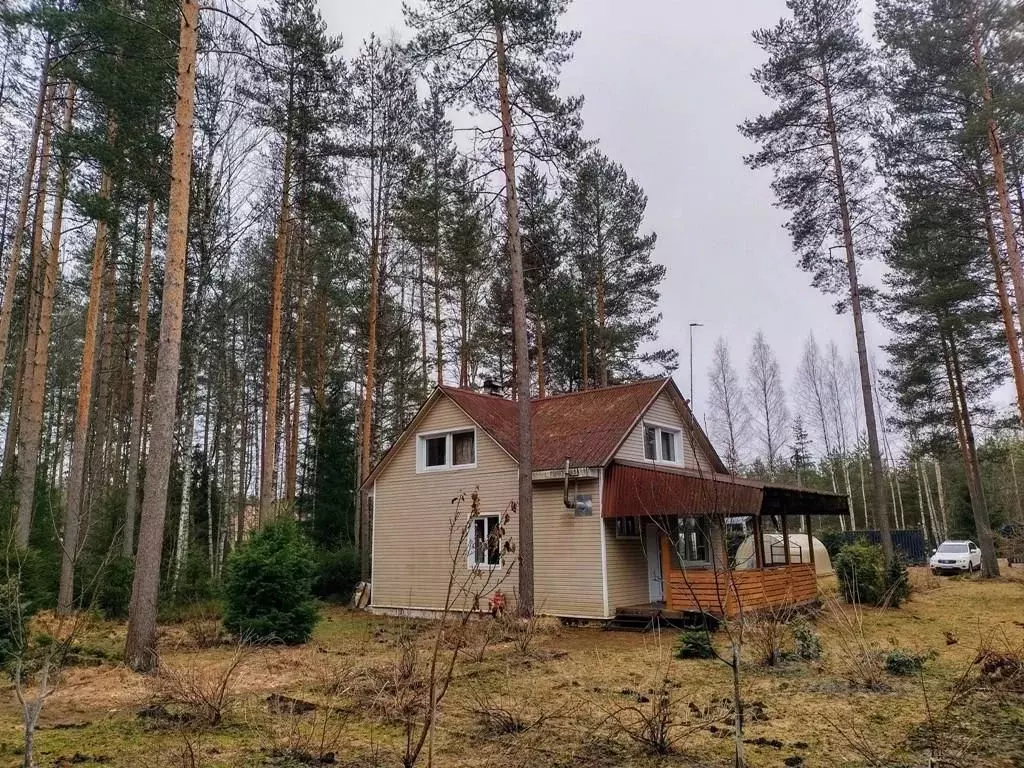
944,129
614,259
945,355
517,46
384,90
140,644
297,97
800,450
820,71
543,250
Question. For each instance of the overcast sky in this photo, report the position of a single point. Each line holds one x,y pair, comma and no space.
666,83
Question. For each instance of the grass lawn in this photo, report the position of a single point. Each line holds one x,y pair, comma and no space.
576,696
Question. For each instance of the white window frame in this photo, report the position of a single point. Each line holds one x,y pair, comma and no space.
659,430
449,449
471,562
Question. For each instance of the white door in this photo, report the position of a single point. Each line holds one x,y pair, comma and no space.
652,544
975,556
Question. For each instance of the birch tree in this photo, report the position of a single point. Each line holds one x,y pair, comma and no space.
767,398
727,406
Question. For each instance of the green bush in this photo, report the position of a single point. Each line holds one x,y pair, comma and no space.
904,663
833,541
694,644
860,568
337,573
114,590
268,588
896,583
806,640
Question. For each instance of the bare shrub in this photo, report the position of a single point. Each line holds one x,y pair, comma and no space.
858,660
204,691
311,731
766,632
520,631
505,714
658,720
202,624
945,736
1002,667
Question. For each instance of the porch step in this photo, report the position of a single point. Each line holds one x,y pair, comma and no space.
635,621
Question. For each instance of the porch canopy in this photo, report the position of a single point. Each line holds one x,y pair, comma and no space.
635,490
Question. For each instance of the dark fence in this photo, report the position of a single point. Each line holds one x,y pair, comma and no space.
910,544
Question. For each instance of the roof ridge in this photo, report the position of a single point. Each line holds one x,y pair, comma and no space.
638,383
556,395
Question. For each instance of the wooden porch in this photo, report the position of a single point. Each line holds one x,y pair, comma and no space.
726,593
699,581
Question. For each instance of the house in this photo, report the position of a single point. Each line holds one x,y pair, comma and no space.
629,499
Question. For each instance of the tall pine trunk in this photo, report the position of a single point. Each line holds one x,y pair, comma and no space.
366,427
140,646
75,496
138,389
272,374
1005,307
31,431
999,179
979,508
522,352
7,308
874,452
292,453
26,350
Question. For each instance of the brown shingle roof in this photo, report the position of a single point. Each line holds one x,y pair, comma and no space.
585,426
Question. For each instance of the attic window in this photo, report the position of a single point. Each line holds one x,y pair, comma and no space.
661,444
446,450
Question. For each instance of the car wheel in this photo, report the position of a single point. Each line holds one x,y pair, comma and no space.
935,571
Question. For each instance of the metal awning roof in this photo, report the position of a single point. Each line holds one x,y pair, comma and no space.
634,490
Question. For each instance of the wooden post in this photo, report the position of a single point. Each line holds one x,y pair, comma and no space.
758,543
785,538
810,536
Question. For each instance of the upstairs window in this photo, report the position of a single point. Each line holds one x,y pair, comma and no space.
661,444
447,450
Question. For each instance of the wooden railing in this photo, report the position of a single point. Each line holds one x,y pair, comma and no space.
726,593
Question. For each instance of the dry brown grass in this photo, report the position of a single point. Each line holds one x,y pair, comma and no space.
579,675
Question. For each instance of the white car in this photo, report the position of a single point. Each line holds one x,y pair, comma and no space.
955,556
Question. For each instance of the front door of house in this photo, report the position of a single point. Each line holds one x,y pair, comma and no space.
655,581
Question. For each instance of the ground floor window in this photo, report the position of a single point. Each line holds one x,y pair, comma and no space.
627,528
485,542
692,538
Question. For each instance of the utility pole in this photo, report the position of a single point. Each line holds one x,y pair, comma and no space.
692,326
